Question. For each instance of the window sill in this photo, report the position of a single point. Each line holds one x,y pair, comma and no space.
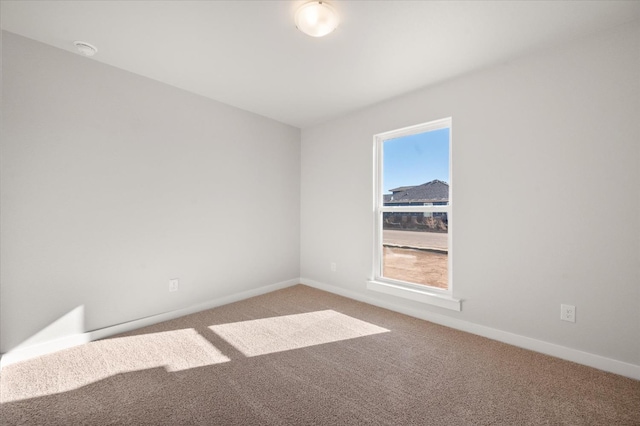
422,296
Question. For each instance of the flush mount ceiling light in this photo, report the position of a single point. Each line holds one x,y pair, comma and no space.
316,18
85,48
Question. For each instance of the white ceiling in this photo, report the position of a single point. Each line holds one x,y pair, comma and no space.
250,55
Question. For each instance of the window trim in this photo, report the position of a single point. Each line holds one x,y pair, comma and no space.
417,292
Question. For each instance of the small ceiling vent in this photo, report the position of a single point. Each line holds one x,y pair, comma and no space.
85,48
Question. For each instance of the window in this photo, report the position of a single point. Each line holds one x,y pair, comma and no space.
413,214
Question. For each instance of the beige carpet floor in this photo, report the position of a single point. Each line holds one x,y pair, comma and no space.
300,356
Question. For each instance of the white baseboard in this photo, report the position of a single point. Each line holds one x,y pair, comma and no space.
574,355
70,341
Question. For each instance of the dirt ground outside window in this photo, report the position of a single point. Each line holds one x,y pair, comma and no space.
416,266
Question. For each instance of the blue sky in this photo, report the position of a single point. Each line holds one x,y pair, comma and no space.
415,159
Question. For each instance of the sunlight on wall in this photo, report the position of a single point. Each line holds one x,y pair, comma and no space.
63,333
277,334
71,323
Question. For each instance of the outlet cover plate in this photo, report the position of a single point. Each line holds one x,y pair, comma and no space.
173,284
568,313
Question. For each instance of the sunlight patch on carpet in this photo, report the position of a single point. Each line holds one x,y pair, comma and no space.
80,366
175,350
277,334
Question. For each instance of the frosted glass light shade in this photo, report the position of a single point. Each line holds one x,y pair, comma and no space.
316,18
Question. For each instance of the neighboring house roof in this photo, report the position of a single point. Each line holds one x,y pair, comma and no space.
401,188
434,191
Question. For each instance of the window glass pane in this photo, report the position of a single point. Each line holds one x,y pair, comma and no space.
415,172
416,169
415,248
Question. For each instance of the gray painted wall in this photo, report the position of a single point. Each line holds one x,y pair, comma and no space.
549,144
113,183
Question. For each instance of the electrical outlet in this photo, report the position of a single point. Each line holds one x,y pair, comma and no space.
173,284
334,266
568,313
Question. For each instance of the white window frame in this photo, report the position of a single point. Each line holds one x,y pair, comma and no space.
422,293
